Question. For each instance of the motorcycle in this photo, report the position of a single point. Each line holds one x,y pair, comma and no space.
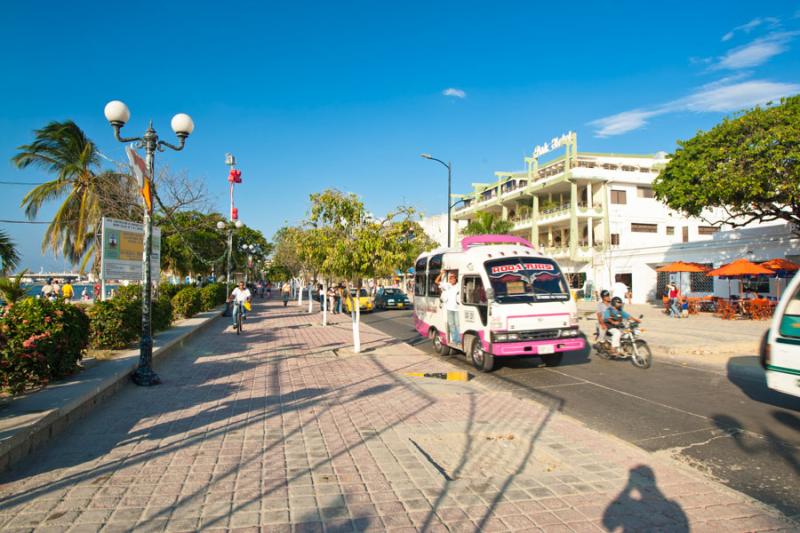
631,346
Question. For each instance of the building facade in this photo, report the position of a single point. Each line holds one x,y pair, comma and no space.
598,216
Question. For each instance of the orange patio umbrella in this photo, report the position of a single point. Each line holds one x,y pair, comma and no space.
780,265
739,268
681,267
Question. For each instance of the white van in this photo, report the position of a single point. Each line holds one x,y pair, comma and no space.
513,302
780,349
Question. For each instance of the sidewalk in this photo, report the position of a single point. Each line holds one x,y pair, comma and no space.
701,339
278,429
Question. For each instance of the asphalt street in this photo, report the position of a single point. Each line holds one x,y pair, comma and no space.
725,423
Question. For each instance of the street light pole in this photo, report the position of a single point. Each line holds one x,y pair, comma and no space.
118,114
449,167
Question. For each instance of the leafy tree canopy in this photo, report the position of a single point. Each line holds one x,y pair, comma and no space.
747,166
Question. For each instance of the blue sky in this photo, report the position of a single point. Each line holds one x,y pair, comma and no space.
311,95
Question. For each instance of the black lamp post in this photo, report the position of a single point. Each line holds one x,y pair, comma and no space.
118,114
449,185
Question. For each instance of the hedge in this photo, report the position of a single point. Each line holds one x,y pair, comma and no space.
40,340
212,295
187,302
117,322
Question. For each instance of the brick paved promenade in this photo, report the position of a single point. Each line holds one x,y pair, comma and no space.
276,430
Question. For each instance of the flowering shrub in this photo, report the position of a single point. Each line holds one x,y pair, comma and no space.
39,341
187,302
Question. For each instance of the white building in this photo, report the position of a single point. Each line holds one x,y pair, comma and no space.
597,215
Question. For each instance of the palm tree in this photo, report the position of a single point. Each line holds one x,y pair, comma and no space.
8,253
488,224
11,289
63,149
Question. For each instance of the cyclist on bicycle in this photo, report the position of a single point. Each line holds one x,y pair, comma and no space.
239,296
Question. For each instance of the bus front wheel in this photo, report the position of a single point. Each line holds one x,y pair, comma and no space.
481,359
438,346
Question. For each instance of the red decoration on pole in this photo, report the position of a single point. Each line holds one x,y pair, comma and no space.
235,213
235,176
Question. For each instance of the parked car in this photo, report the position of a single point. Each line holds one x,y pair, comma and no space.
391,298
780,347
363,299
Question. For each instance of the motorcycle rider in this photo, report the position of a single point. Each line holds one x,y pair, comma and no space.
613,318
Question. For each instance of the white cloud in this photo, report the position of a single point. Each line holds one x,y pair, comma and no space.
623,122
756,52
750,26
458,93
722,96
738,96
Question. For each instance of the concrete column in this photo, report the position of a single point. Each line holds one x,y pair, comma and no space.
573,221
535,222
504,212
606,225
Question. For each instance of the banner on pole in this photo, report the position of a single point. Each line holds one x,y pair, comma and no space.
123,246
142,175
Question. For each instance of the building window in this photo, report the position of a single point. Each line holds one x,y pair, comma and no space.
670,230
707,230
618,197
645,192
615,239
644,228
699,282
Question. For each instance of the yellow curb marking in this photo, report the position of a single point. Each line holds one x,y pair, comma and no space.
448,376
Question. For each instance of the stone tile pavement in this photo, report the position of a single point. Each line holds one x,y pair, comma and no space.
279,430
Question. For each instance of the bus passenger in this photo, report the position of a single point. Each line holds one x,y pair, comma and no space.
451,292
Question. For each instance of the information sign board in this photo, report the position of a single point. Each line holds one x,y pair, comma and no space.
121,257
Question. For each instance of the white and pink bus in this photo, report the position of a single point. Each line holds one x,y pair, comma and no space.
513,302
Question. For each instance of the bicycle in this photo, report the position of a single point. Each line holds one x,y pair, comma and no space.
238,314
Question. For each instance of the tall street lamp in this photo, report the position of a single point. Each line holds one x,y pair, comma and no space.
449,185
231,226
117,114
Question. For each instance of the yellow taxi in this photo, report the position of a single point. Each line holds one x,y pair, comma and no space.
363,299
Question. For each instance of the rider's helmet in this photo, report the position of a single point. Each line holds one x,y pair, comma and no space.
604,293
616,302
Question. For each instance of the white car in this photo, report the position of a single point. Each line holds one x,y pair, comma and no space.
780,347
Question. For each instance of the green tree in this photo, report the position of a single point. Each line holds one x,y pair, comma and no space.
488,224
9,258
11,289
357,246
191,244
748,166
63,150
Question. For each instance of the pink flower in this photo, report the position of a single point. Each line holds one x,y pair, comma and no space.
25,321
47,320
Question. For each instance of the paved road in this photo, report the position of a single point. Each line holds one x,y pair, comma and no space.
724,423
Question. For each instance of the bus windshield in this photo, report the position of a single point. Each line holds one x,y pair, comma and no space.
526,279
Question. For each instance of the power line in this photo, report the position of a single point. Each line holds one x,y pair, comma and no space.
24,222
22,183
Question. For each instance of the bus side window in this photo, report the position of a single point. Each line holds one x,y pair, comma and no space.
420,280
790,321
434,267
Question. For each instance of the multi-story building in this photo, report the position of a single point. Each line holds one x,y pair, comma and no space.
591,212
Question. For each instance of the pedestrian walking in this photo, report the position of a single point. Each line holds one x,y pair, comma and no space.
67,291
286,292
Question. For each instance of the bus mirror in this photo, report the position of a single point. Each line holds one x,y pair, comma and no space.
489,294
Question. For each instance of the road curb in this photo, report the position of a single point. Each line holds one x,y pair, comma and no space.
29,422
